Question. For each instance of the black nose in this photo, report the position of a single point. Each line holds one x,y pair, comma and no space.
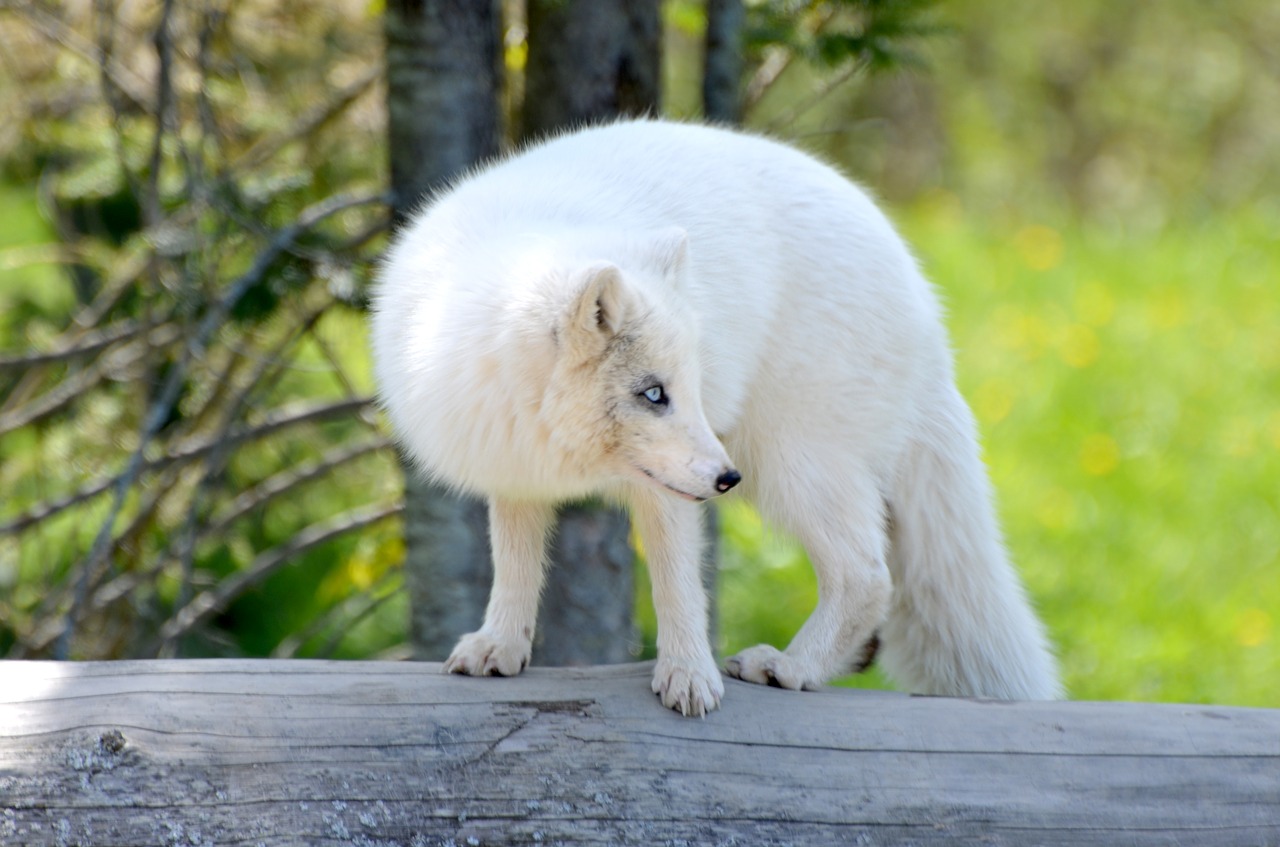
727,480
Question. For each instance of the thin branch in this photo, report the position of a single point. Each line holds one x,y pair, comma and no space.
54,627
210,603
120,282
126,270
306,126
778,60
306,414
286,481
86,344
213,319
164,103
252,500
348,613
133,86
287,417
211,20
765,76
335,362
106,16
73,387
828,85
268,367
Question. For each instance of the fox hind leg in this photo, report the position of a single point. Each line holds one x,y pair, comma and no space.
842,527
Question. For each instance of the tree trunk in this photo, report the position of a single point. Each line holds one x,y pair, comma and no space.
443,77
721,103
587,609
589,60
722,69
448,567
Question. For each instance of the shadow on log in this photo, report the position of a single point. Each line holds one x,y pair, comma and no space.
295,752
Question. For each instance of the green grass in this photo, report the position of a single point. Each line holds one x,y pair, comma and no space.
1128,392
1127,388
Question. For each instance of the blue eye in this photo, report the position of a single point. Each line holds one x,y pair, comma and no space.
656,395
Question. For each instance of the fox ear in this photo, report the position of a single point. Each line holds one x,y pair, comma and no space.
599,305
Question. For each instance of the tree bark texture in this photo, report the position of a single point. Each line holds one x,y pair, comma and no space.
586,617
443,78
448,566
385,753
722,69
591,60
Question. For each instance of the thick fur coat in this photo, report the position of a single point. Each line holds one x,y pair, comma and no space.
660,312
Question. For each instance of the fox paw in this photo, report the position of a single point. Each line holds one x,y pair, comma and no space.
482,654
692,687
768,665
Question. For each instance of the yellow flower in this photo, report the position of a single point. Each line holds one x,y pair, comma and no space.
1040,247
1253,627
1099,455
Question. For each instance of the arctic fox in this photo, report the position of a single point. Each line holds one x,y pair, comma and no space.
659,312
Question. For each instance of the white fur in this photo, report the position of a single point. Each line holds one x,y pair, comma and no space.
522,314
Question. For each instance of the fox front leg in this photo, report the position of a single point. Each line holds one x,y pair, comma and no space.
686,676
503,644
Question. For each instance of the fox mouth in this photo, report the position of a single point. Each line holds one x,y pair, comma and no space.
685,494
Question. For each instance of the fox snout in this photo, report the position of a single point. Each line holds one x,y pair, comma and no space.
727,480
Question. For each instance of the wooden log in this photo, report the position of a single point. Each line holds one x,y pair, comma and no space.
368,753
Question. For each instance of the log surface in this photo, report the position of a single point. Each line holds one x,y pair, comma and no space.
264,752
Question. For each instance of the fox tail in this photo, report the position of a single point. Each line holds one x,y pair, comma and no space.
960,623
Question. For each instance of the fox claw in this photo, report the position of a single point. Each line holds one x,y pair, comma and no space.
690,686
481,654
767,665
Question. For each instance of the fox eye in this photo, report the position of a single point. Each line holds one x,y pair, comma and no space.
655,394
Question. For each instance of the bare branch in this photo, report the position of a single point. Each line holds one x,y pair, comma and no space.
74,386
126,270
168,393
286,481
270,362
307,125
86,344
824,90
306,414
288,417
133,86
765,76
164,103
247,502
341,618
106,17
209,603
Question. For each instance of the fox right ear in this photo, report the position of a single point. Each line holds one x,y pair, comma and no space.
599,305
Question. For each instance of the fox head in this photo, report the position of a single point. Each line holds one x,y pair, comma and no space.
625,393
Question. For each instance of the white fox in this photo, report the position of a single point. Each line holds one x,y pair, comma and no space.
660,312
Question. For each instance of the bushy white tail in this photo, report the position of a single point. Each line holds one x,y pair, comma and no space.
960,623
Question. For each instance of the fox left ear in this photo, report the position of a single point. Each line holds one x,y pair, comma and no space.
669,248
599,305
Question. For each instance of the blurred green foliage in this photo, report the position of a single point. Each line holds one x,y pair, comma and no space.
875,34
1093,187
181,370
